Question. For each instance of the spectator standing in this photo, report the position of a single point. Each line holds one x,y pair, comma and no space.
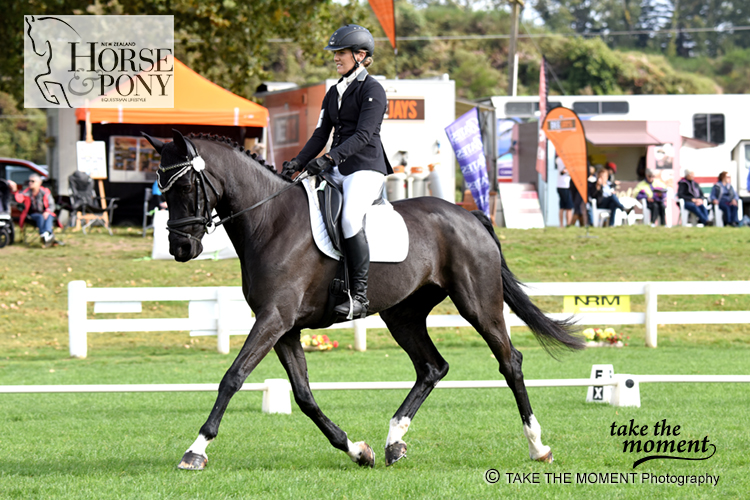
724,195
563,191
690,192
653,192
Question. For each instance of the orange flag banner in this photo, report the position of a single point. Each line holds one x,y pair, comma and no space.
563,127
385,13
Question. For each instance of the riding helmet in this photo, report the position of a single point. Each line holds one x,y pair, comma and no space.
354,37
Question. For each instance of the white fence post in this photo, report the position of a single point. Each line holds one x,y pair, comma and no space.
222,321
77,337
506,317
360,335
276,398
651,306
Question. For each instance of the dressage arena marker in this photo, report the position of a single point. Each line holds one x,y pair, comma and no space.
601,393
277,392
222,311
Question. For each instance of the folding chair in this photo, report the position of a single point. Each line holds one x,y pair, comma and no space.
718,216
598,215
87,205
687,218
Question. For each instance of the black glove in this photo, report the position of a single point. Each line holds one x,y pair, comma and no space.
316,166
290,167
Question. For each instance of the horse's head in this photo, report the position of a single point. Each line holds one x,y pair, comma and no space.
189,192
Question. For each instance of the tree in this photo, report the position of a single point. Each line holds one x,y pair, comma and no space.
226,41
22,132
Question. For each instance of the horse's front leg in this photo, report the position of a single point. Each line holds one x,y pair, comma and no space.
264,334
292,357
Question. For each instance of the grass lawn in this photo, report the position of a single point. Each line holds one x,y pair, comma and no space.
127,445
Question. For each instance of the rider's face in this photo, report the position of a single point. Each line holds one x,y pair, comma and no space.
344,60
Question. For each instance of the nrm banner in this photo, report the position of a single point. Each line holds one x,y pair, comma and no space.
465,136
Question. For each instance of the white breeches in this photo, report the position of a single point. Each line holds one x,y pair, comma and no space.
361,189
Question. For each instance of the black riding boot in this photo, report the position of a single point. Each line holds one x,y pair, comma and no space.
358,260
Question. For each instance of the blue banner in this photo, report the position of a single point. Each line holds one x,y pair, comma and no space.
466,139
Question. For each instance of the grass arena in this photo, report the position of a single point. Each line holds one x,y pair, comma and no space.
463,443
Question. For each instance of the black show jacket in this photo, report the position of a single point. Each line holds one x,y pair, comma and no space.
356,128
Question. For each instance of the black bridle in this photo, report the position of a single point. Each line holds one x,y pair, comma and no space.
203,211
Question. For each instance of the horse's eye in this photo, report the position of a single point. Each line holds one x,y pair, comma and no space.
185,189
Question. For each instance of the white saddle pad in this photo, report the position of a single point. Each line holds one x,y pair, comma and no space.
386,231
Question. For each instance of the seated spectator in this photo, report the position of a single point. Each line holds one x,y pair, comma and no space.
38,205
605,196
611,168
653,193
724,195
690,192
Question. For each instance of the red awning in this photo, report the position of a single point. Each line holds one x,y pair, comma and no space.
619,133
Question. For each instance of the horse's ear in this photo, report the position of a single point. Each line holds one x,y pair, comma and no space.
156,143
179,141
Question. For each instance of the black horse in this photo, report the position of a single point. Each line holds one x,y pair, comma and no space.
285,278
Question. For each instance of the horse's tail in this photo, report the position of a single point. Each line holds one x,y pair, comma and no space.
551,334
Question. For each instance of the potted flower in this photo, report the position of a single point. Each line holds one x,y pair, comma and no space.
318,343
608,337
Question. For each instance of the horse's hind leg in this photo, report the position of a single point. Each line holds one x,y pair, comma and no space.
490,324
292,357
407,323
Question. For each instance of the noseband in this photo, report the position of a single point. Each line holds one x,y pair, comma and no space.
203,212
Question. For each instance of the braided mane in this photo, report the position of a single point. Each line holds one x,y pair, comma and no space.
241,149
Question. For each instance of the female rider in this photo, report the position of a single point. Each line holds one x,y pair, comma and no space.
354,109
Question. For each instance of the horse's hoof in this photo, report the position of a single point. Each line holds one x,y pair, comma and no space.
192,461
395,452
546,458
367,457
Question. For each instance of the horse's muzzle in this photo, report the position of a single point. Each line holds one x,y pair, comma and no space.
184,249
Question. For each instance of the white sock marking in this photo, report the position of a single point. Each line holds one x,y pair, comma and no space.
397,430
199,446
355,449
533,433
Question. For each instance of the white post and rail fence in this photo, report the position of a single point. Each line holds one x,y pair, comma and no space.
222,311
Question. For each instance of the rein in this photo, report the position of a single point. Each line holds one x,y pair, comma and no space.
203,214
301,177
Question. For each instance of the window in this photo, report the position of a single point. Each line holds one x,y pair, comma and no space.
586,108
519,109
716,128
550,105
18,174
615,107
709,128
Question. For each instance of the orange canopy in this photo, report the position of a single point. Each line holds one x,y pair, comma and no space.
197,101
